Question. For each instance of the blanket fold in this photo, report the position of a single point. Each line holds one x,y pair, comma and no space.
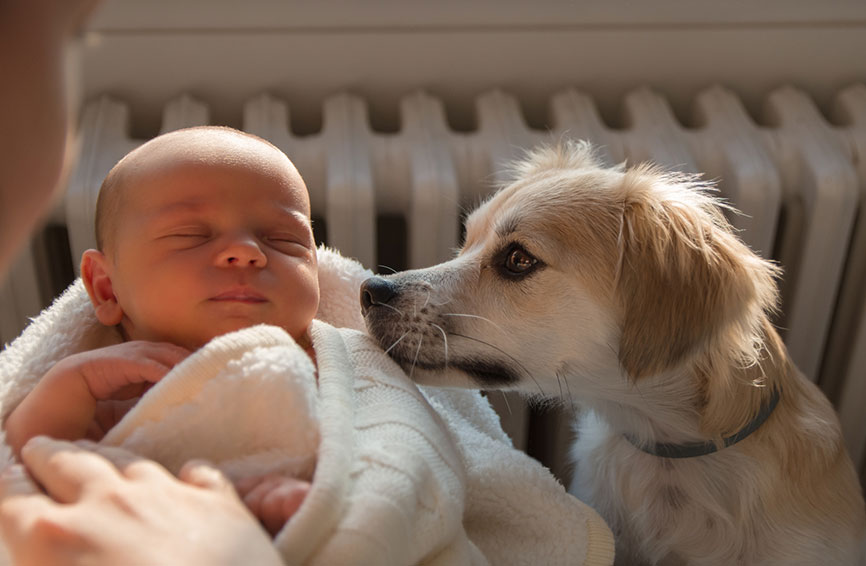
400,474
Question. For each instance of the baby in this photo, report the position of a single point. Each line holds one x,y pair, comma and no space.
200,232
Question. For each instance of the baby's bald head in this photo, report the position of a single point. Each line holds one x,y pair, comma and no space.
203,231
205,145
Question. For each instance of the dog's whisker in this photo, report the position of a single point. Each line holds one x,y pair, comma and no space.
570,397
509,356
391,347
559,382
388,267
540,389
444,341
507,406
415,361
427,300
498,327
442,304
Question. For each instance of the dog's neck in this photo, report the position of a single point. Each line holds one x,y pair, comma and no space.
706,400
663,408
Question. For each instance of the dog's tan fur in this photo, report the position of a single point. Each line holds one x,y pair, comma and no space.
646,309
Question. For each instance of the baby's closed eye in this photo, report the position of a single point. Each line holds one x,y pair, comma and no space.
288,243
185,240
188,232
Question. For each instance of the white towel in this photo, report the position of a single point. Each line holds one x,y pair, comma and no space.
403,475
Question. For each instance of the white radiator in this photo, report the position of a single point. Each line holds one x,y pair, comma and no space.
798,179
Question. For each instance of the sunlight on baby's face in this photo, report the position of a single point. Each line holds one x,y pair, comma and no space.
207,246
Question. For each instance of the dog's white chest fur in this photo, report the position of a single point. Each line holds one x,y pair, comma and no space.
703,511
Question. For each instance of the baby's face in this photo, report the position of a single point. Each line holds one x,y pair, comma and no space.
205,248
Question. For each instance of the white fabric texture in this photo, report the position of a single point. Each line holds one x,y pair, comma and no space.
402,474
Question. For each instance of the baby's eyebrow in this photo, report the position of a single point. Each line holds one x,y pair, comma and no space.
164,217
293,215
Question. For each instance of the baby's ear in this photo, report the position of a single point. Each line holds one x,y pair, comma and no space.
97,281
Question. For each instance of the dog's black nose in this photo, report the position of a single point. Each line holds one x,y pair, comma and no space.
376,291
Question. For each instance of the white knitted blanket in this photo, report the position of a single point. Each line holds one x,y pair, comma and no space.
400,474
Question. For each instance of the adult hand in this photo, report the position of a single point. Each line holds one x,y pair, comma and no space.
131,511
35,112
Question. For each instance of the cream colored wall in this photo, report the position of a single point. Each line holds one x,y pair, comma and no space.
148,52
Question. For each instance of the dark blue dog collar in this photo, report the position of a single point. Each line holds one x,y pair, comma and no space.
695,449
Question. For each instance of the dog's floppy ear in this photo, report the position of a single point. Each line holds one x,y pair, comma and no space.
685,280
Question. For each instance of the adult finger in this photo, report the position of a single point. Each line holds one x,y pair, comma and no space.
202,474
119,457
65,470
21,506
19,515
132,466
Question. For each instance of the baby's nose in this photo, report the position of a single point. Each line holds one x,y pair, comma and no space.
242,253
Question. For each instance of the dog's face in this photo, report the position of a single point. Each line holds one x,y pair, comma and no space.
571,270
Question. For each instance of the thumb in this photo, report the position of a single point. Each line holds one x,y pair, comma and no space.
202,473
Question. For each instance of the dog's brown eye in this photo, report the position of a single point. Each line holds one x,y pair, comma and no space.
518,261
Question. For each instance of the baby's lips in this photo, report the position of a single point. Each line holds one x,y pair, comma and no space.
240,294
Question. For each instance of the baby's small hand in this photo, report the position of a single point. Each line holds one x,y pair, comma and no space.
273,498
67,402
125,370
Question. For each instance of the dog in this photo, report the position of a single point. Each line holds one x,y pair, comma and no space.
627,291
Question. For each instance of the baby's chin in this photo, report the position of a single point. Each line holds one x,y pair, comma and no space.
198,340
